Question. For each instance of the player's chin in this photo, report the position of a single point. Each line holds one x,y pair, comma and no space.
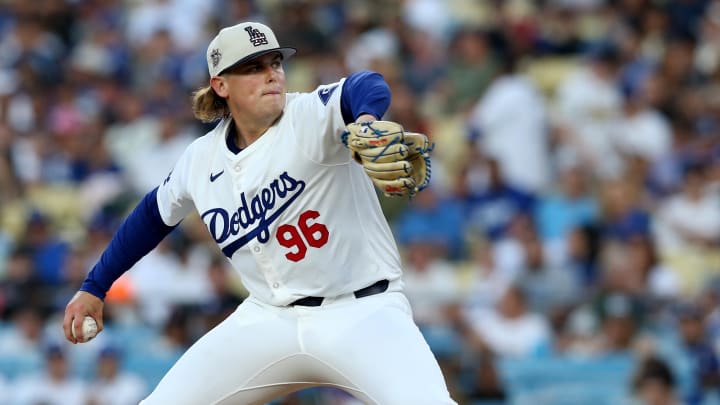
273,104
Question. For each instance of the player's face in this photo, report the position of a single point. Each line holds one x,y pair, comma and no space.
256,89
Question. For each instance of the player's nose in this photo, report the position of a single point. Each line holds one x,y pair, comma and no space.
271,73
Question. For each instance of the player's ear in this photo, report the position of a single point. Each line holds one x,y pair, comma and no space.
220,86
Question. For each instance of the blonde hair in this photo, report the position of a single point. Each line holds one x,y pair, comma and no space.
207,106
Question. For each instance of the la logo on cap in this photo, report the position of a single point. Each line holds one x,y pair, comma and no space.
257,38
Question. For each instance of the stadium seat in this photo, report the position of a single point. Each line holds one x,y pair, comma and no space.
14,366
579,381
148,367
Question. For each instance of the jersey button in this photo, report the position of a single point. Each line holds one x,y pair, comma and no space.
257,249
237,168
276,285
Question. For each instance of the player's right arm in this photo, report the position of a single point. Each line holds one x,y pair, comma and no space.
140,233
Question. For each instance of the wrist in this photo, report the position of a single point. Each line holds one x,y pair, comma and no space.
365,118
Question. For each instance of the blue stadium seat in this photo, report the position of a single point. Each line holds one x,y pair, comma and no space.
132,339
581,381
574,394
14,366
151,368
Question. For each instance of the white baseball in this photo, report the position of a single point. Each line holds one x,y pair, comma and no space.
89,328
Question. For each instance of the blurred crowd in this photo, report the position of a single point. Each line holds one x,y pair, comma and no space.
566,252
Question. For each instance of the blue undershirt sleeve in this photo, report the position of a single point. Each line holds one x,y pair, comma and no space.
364,92
141,232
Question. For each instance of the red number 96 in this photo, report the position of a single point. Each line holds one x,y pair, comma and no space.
310,233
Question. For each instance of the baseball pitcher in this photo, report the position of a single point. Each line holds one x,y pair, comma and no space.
289,179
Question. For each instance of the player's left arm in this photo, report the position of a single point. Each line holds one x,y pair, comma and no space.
320,117
397,161
365,97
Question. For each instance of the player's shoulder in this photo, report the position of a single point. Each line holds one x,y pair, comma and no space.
321,94
218,131
204,143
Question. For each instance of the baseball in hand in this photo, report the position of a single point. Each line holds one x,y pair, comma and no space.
89,329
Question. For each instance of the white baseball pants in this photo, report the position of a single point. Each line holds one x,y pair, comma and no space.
370,347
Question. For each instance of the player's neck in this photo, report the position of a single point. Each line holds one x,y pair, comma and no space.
247,133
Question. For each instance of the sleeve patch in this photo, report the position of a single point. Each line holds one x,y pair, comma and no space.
326,93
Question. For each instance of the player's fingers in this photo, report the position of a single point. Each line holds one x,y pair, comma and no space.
77,329
67,325
375,129
397,187
98,320
81,305
373,134
391,153
359,143
388,171
417,143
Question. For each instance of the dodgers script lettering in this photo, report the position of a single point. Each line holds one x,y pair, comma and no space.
254,216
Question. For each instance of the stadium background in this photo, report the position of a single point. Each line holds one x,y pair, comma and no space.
565,253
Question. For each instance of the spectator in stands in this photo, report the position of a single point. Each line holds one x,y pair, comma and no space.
659,280
549,288
619,316
47,249
690,218
510,329
226,292
486,384
9,182
576,337
53,386
25,337
487,281
111,385
471,68
569,206
643,132
694,357
423,63
580,254
654,383
623,215
491,210
176,336
431,283
433,219
20,286
687,228
589,105
496,128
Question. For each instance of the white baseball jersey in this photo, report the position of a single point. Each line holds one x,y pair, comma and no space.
294,200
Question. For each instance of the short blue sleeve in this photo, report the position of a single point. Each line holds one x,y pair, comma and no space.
364,92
